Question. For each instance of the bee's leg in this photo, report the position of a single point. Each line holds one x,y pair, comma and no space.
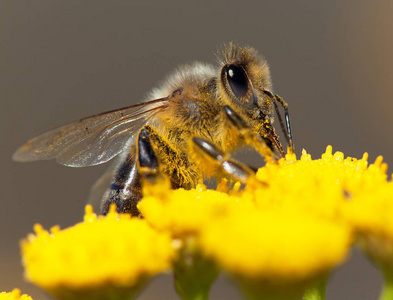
252,138
147,166
147,159
287,128
158,157
222,161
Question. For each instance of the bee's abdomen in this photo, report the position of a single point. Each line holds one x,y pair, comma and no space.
125,190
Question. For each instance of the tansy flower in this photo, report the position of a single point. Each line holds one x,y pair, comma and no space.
285,230
275,253
108,257
183,213
371,216
318,185
14,295
277,237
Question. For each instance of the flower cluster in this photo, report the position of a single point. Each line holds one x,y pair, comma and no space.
278,237
108,257
14,295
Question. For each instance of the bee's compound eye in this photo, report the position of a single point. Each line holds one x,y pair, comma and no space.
238,80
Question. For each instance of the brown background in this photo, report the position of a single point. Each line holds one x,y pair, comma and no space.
63,60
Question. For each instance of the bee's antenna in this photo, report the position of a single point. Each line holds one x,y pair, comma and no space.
287,127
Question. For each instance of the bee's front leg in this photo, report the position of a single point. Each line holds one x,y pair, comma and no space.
222,161
252,138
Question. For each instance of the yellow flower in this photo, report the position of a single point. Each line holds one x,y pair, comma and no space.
282,233
184,212
286,228
14,295
272,251
277,245
371,215
369,212
318,185
110,256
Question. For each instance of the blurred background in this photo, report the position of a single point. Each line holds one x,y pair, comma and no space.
63,60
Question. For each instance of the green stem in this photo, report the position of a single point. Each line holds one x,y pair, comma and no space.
387,292
317,291
254,289
194,274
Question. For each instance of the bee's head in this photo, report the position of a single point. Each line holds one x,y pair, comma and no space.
244,75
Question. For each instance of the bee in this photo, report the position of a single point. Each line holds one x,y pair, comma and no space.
200,114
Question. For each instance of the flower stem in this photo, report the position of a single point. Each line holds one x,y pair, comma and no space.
317,291
194,274
387,292
261,290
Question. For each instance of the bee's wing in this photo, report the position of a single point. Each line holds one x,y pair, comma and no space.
93,140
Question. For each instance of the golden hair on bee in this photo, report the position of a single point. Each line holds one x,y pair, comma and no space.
183,75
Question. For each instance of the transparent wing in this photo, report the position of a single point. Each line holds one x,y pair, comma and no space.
93,140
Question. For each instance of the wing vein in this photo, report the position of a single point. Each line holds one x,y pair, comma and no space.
92,140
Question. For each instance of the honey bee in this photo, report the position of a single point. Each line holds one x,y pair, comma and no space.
199,115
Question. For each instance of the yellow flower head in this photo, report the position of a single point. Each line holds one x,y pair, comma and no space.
276,253
278,246
287,227
371,215
14,295
273,229
112,251
318,185
184,212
